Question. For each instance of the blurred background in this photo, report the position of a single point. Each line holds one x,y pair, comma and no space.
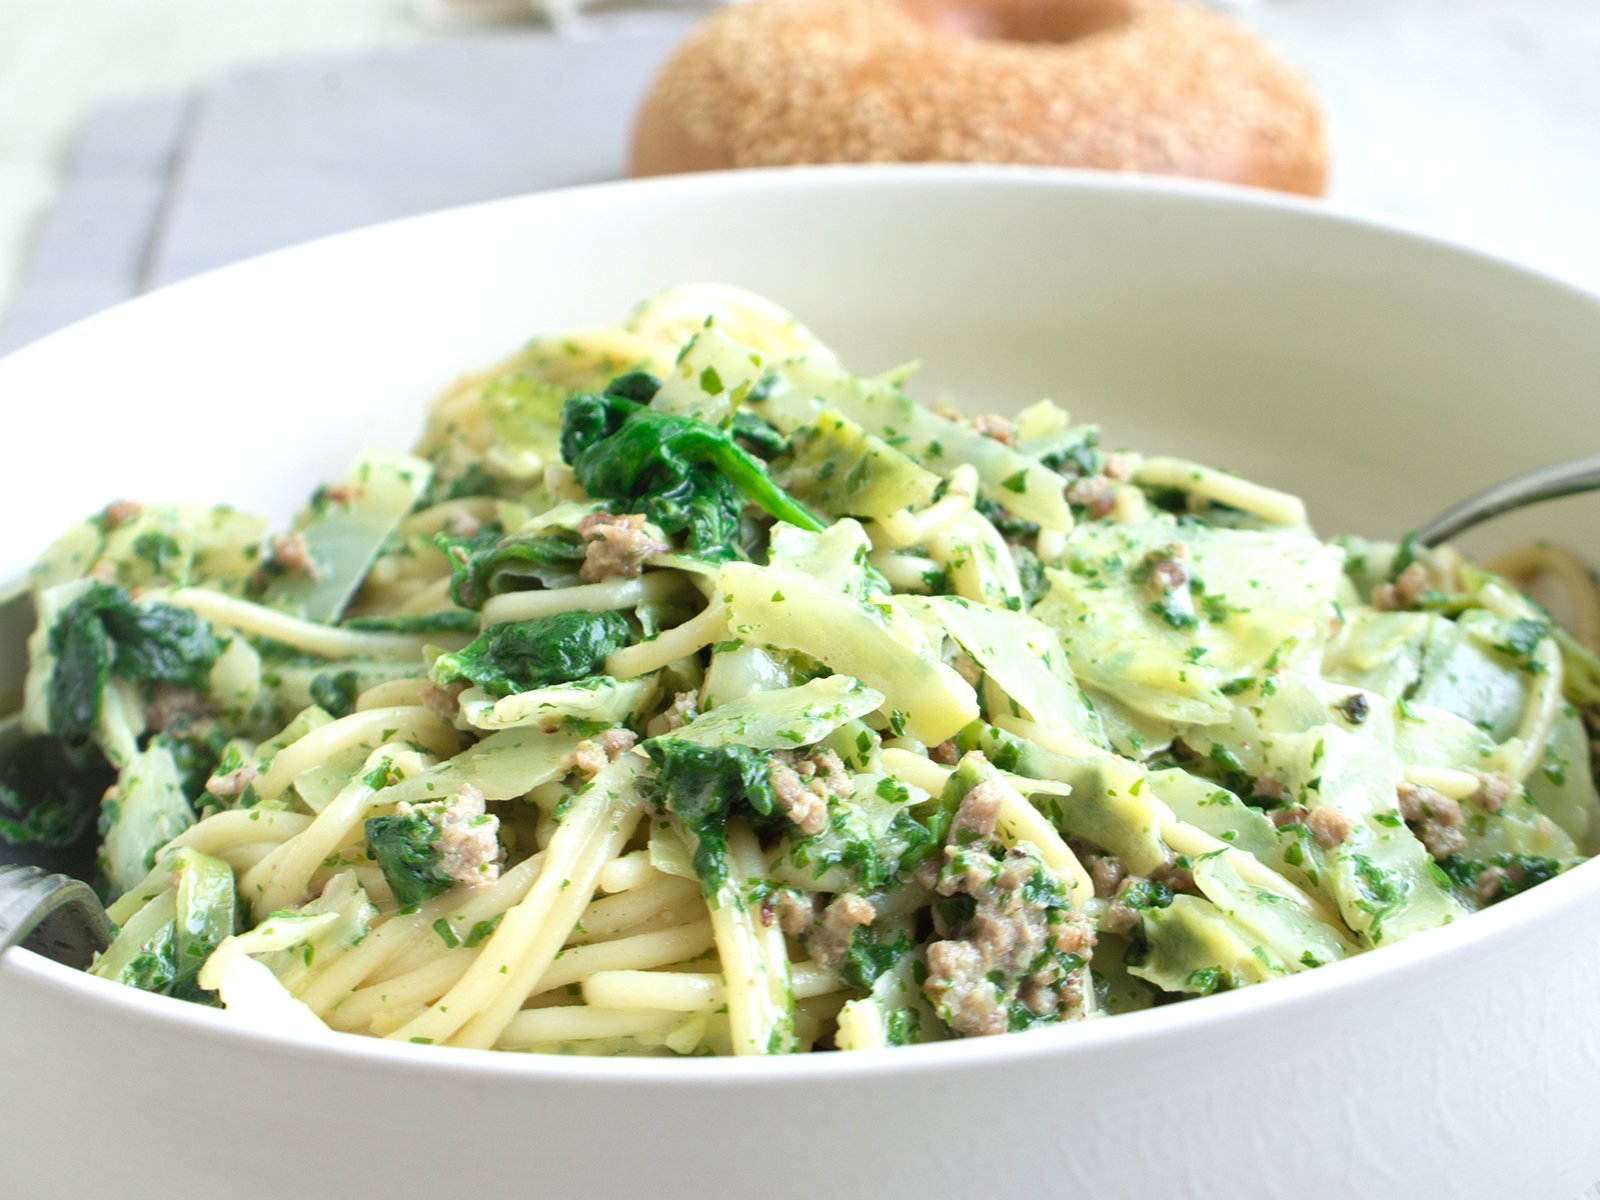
142,141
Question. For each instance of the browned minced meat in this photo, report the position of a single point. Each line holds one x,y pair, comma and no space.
118,513
1095,493
829,939
468,845
1006,936
946,754
959,990
233,783
591,754
291,554
680,712
1434,817
796,911
991,425
1179,879
1169,571
805,808
824,767
1117,466
1493,791
1493,881
979,811
463,524
1169,577
443,702
802,784
1403,592
169,704
1120,917
618,546
1270,786
1293,814
1105,870
1328,825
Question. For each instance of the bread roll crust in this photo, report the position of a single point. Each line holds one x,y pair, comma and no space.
1149,86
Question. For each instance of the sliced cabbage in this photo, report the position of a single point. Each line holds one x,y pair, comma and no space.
711,378
894,1012
1193,946
842,470
598,698
978,562
146,811
1022,656
1018,482
784,718
1283,925
503,766
249,990
738,670
776,607
344,529
1254,597
837,556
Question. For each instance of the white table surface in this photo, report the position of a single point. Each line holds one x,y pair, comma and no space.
1478,117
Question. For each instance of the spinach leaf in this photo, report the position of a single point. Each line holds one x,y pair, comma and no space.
869,957
518,656
762,437
103,632
685,475
702,785
335,693
476,561
405,847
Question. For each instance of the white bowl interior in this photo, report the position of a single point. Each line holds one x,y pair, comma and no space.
1379,373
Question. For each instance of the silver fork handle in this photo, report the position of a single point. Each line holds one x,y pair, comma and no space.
55,915
1547,483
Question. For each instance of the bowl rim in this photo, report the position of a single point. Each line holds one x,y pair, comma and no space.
103,999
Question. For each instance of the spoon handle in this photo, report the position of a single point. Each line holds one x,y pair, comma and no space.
1547,483
55,915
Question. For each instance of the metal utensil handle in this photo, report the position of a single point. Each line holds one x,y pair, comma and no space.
55,915
1548,483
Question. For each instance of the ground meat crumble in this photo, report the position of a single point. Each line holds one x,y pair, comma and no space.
992,425
680,712
443,702
291,555
1403,592
592,754
1095,493
1434,817
1008,951
468,844
1006,940
802,784
617,546
828,940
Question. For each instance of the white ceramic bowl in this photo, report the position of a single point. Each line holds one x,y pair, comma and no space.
1378,371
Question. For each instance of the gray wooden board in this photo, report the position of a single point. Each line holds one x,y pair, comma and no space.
302,150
